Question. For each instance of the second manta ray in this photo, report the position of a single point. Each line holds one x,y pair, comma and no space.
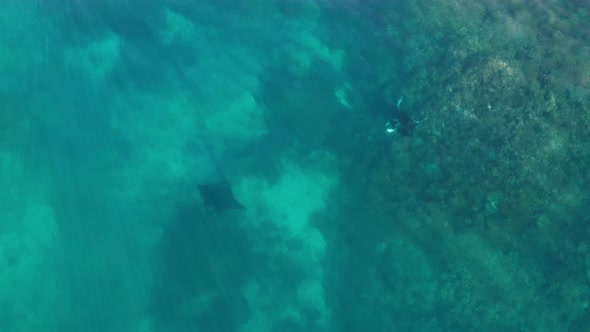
219,196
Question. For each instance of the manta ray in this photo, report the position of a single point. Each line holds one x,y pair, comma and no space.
216,192
218,196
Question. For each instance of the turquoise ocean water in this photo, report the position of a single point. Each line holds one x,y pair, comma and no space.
294,165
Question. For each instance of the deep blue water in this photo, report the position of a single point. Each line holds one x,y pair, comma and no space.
294,165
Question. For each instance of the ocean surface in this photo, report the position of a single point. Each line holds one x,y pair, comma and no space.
294,165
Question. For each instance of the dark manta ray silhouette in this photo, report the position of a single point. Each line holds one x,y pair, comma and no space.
402,122
216,192
219,196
